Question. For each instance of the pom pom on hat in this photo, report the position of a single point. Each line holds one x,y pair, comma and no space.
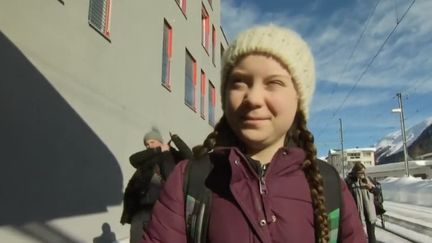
153,134
284,45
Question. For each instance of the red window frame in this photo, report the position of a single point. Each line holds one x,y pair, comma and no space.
194,84
205,19
213,45
102,26
108,19
203,93
193,106
182,5
212,104
166,82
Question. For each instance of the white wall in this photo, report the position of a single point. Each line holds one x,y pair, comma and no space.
74,106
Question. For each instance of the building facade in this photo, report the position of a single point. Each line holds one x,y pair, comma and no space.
81,82
351,156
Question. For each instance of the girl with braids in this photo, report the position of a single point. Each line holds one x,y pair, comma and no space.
265,182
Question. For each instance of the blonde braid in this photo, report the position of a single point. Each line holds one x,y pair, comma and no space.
305,140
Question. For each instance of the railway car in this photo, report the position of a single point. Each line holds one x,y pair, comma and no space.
417,168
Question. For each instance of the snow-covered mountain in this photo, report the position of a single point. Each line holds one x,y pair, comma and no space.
392,144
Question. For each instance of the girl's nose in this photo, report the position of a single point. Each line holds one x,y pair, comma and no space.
254,96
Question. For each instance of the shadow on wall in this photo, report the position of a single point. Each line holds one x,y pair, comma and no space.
52,165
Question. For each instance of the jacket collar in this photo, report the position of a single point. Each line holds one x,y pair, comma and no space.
284,161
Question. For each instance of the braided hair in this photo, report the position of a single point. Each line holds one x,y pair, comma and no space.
305,140
298,135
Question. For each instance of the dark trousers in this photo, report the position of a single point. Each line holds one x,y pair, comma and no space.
139,222
370,228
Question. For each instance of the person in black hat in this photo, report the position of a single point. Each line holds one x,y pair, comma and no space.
153,166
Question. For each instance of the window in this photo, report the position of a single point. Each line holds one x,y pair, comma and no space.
205,28
211,103
99,16
190,81
203,93
166,55
213,44
182,5
354,155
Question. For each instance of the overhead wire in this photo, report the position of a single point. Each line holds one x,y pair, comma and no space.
372,60
365,26
398,21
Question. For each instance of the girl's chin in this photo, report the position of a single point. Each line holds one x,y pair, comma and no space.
253,139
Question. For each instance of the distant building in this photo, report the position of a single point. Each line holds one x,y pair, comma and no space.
81,83
351,156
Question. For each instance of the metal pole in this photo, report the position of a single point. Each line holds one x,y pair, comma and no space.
342,148
402,121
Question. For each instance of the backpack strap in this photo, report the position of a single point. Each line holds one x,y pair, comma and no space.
333,198
197,199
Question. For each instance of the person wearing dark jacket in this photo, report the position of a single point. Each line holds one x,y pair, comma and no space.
153,166
363,191
265,185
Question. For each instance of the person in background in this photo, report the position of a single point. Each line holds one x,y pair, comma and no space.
363,191
153,166
265,184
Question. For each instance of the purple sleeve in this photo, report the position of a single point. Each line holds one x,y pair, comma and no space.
167,222
351,227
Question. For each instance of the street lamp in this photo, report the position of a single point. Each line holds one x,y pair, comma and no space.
402,121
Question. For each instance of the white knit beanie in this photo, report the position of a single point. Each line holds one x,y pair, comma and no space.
284,45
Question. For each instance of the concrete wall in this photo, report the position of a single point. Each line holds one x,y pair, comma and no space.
74,106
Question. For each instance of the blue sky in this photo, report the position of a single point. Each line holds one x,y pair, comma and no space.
345,36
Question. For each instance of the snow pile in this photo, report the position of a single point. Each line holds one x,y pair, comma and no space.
409,190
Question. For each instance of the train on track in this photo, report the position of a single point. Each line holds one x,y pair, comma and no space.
417,168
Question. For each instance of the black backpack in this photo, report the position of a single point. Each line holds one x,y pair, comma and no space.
198,198
378,198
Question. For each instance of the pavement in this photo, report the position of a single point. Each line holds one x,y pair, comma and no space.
126,240
411,222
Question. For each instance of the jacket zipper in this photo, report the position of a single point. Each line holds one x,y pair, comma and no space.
262,183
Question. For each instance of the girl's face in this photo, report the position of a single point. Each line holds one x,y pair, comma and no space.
261,102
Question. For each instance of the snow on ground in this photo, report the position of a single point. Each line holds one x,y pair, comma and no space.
409,190
383,236
408,199
390,237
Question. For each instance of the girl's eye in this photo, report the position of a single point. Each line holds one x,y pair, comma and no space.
275,83
237,81
238,84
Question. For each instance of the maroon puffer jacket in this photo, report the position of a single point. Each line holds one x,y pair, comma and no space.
238,210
